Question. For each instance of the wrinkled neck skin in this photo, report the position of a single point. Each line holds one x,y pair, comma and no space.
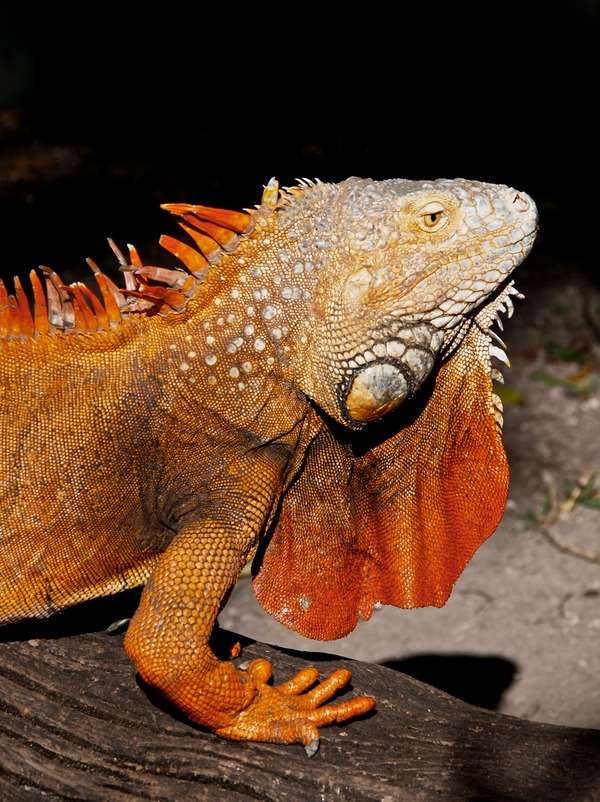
364,283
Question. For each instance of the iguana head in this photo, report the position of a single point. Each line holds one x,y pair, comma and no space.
412,275
403,266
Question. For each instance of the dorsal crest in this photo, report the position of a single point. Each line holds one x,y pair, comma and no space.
148,289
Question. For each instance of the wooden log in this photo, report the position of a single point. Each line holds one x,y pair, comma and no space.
75,723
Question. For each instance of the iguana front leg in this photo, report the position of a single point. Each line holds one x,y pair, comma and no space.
168,636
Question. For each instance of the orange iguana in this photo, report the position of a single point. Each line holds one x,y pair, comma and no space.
320,400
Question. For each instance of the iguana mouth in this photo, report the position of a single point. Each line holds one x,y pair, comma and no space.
495,263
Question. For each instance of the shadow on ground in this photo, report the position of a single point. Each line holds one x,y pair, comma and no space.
480,681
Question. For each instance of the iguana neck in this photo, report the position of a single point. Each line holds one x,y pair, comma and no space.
254,315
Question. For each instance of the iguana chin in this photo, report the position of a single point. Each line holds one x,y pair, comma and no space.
314,390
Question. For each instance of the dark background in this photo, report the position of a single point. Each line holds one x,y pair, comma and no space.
106,113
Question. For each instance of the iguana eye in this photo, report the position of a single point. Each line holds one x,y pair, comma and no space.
432,217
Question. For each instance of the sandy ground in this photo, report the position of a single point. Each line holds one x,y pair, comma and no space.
521,631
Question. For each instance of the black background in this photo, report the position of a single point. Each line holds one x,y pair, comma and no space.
204,104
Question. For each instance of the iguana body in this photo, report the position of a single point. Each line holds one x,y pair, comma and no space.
322,394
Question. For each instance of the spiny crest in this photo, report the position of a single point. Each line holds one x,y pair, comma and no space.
148,289
275,198
489,315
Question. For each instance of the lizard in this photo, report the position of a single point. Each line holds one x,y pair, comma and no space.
310,387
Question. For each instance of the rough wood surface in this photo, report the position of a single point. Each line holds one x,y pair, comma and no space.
75,724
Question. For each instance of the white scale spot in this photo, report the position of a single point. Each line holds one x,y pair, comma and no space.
234,373
259,344
192,354
250,311
241,386
231,348
210,359
305,603
217,301
269,312
173,347
211,379
235,293
210,340
192,379
184,366
276,334
246,367
230,318
286,293
220,321
298,268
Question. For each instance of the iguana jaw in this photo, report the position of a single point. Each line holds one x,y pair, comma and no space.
390,372
471,293
386,374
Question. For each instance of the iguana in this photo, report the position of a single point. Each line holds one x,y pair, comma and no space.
313,390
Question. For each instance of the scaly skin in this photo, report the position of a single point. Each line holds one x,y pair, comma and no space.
321,398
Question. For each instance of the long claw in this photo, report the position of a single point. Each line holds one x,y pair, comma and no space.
312,748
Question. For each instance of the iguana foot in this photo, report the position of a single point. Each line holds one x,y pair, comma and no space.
286,714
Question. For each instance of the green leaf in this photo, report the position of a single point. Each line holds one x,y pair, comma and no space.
565,353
